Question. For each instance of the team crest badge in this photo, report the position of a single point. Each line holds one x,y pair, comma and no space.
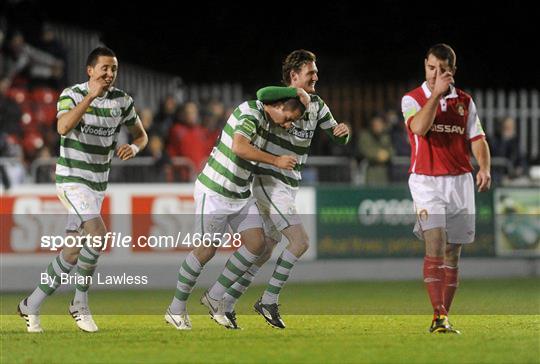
84,205
423,215
460,109
115,112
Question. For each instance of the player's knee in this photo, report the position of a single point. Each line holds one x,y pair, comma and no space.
452,254
204,254
258,247
266,254
70,256
270,244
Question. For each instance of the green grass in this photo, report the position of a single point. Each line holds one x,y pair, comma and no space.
367,322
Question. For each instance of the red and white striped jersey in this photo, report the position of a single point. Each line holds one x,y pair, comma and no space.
444,150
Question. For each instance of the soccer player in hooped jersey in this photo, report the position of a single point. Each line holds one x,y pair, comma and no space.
443,124
89,118
276,189
223,200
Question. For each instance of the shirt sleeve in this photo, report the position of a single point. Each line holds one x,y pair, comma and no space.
247,126
474,126
129,114
65,103
409,108
326,122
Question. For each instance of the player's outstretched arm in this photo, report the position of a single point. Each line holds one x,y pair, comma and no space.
273,93
480,151
140,139
243,148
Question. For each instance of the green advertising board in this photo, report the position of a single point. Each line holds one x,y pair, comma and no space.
378,223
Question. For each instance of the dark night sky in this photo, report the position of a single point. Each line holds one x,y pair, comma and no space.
213,42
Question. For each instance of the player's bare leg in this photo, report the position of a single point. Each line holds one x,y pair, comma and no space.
267,305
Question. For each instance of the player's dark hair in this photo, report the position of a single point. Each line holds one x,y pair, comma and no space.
96,53
443,52
290,104
294,62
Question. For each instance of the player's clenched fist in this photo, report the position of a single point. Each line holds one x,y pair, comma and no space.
341,130
286,162
127,151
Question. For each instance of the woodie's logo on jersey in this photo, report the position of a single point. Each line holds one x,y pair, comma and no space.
445,128
301,133
99,131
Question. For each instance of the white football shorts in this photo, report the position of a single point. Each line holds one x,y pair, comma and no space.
444,202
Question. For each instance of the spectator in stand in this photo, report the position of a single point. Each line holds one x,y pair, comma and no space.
398,133
187,138
213,120
10,115
147,119
400,144
506,145
11,173
161,170
26,65
10,112
375,146
165,116
50,44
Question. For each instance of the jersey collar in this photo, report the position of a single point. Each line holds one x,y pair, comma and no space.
452,94
99,97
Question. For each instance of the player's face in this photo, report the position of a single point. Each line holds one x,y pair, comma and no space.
431,64
285,118
306,78
106,68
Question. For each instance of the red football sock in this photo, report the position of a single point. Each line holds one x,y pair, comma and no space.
451,284
434,280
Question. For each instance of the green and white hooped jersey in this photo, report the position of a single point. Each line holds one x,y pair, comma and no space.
294,141
225,172
87,150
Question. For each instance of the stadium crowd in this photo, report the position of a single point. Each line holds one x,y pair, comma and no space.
32,75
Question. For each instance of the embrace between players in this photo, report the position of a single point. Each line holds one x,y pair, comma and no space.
250,180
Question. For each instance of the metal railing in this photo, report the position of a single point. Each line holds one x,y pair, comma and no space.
137,170
318,169
356,103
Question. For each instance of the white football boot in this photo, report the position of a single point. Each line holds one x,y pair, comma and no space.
33,323
216,309
180,321
83,317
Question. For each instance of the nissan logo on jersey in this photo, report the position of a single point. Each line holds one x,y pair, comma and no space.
445,128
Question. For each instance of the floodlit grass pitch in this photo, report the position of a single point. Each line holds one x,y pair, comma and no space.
331,322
